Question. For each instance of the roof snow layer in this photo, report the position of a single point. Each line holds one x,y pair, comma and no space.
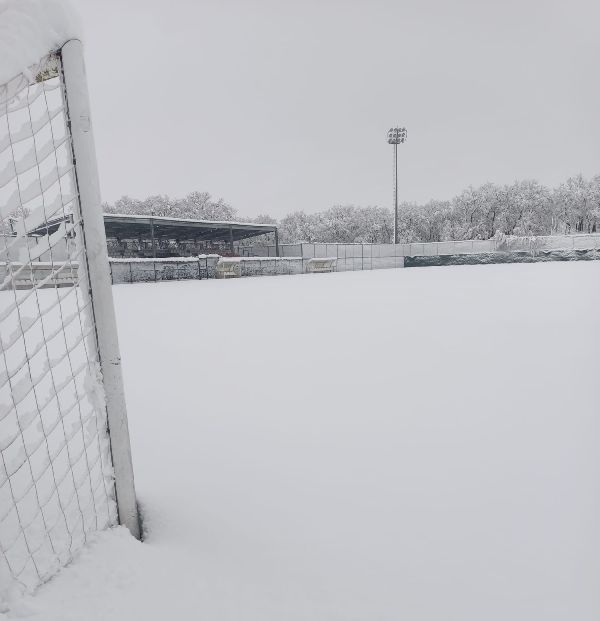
30,29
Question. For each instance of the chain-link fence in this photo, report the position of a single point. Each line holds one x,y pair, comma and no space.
349,257
589,241
382,256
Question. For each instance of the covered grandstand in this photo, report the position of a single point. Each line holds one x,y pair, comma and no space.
140,236
158,236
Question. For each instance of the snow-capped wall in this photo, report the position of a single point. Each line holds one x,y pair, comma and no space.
30,29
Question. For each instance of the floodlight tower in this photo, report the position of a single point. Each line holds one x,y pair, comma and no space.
396,136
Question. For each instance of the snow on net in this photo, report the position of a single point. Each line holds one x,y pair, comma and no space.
56,483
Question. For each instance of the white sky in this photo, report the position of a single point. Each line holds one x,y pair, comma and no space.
278,105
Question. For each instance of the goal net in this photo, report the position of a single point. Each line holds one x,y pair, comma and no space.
58,398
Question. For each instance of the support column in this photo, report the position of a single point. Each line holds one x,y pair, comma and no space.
395,193
153,239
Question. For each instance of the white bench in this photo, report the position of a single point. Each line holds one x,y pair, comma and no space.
321,265
227,268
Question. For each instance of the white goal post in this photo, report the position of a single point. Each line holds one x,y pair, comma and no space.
98,273
65,467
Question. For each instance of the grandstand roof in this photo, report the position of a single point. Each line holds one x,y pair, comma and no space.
134,226
160,227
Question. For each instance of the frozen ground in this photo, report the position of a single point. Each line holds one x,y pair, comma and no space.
407,444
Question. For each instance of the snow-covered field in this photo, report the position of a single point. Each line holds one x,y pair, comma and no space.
407,444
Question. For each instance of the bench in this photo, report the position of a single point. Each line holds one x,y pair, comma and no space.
228,269
321,265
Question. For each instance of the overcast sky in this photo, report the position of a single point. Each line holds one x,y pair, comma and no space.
277,105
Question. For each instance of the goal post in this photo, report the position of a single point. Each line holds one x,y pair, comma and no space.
65,459
98,274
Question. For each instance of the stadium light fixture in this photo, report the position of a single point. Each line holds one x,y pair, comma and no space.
396,136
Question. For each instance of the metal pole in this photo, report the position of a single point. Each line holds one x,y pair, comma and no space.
276,243
231,239
395,193
152,236
100,291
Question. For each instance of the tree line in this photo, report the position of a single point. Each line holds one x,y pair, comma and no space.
523,208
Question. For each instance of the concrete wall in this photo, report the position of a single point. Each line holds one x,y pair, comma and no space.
154,270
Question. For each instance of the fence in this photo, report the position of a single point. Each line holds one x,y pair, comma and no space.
262,260
206,266
62,476
350,257
381,256
39,274
34,244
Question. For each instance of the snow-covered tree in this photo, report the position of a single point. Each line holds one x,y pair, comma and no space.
577,205
195,206
523,208
298,226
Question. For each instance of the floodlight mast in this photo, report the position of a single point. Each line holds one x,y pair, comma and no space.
396,136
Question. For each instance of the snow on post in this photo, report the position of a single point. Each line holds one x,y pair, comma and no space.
30,29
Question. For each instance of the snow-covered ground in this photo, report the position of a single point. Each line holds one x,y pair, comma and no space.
407,444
